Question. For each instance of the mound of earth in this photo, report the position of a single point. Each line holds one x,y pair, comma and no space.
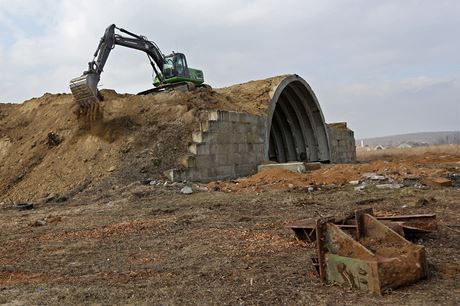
419,167
47,151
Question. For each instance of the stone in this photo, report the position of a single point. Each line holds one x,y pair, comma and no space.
111,169
388,186
312,166
377,178
368,175
455,178
353,182
293,167
360,187
186,190
146,182
437,181
200,188
410,181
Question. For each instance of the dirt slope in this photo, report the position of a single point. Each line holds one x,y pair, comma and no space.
137,137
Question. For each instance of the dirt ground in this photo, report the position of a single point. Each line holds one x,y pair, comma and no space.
149,244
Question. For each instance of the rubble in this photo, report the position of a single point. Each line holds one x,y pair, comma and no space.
186,190
367,252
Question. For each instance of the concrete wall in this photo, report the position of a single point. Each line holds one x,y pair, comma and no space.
228,145
342,143
231,144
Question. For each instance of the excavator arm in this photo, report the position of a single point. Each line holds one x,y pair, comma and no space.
84,88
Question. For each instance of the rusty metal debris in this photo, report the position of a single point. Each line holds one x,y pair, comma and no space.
367,252
407,226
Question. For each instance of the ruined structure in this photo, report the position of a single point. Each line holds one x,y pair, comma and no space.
288,126
201,135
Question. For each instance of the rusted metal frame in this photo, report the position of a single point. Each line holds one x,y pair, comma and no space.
359,220
321,248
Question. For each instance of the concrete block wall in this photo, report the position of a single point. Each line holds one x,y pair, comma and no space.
342,143
228,145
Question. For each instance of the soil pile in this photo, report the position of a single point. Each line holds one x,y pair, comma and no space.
46,151
50,149
340,174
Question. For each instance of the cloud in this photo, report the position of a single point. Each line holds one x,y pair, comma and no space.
393,107
353,53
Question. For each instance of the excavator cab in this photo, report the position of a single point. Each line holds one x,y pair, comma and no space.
175,65
176,70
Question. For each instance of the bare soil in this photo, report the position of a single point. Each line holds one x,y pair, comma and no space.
149,244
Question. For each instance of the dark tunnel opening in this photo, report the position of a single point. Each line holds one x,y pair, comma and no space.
297,127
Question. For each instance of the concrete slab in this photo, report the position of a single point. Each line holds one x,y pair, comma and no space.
291,166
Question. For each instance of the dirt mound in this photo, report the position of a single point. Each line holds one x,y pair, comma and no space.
49,148
337,175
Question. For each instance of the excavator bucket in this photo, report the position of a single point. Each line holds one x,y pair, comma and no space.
84,89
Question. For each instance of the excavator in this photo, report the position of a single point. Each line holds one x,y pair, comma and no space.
171,71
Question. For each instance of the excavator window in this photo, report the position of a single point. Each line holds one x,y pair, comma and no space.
168,67
180,64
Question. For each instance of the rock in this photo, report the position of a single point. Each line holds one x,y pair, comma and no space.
437,181
111,169
290,186
146,182
360,187
291,166
24,206
311,189
410,181
312,166
186,190
455,178
420,186
200,188
368,174
373,176
388,186
353,182
53,139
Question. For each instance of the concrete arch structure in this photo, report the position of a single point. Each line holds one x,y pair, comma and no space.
295,126
278,119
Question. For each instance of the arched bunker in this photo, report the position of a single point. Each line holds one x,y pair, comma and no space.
287,125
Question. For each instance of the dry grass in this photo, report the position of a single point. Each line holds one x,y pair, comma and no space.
406,152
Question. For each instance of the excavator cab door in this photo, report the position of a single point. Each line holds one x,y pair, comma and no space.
175,65
180,65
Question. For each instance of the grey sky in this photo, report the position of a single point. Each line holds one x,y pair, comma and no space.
386,67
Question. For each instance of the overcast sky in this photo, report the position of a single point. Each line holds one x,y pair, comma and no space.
385,67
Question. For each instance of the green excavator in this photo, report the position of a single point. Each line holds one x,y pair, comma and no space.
171,71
